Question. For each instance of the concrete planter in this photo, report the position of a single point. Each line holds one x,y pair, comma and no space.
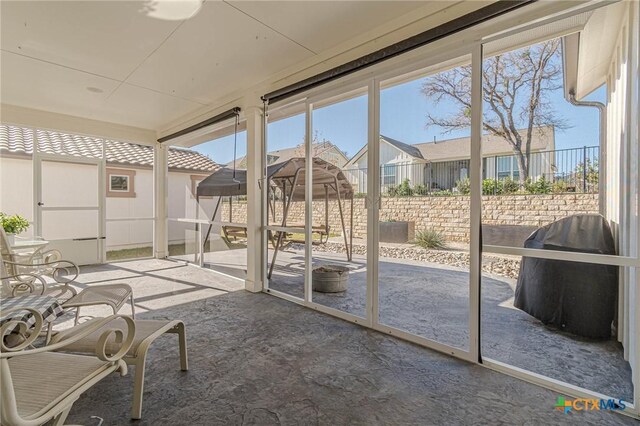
397,232
330,278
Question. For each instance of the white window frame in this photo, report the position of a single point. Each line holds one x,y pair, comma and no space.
385,175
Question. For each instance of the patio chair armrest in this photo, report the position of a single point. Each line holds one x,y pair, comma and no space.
30,333
24,281
58,267
52,255
125,339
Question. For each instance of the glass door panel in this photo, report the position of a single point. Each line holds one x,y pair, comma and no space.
339,215
285,204
560,319
424,225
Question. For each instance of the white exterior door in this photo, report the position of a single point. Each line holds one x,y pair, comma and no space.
69,198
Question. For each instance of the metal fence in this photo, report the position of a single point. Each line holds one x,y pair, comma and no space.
564,170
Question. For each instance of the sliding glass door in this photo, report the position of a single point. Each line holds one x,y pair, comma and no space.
338,233
553,284
466,201
424,210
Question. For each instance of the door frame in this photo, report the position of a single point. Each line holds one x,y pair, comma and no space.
411,71
38,158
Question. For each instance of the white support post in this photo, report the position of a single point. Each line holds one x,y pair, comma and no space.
255,154
475,217
373,202
160,173
308,204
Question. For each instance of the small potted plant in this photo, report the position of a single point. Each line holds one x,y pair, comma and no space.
13,225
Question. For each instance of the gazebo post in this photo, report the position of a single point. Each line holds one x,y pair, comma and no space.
284,222
213,218
344,229
200,250
326,211
351,232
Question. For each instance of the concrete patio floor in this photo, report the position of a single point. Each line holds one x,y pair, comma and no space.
258,359
432,301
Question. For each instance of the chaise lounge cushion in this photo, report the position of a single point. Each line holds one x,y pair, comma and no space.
41,380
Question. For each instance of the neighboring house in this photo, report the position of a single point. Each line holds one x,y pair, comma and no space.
325,150
440,164
128,180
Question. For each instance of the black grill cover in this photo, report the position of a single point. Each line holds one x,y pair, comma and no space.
577,297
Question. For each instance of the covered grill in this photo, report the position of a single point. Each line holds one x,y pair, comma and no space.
577,297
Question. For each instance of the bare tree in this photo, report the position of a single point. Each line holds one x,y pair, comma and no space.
320,146
515,91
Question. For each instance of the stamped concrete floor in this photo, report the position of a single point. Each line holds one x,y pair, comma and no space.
256,359
432,301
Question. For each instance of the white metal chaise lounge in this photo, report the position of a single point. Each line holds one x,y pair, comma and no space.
40,385
146,332
63,273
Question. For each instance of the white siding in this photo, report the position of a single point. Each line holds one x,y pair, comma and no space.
16,187
622,180
129,234
16,197
405,167
182,204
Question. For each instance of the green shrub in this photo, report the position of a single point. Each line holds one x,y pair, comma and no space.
392,191
15,224
404,190
510,186
541,186
559,187
464,186
360,195
420,189
430,239
491,187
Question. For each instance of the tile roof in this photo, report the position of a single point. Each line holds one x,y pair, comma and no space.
543,139
451,149
320,149
409,149
18,140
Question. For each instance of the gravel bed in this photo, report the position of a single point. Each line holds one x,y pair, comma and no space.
506,267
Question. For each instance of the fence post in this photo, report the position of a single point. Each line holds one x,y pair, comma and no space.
584,169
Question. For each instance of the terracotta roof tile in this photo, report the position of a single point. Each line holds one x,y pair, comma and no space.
18,140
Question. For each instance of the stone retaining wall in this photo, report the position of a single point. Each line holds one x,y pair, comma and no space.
448,215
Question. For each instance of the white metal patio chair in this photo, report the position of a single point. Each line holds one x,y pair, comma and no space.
146,332
26,257
64,274
39,385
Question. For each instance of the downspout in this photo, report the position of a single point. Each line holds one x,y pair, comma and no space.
602,161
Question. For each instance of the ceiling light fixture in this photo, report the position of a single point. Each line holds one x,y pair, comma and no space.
171,10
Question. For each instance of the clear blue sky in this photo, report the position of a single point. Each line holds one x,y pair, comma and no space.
403,112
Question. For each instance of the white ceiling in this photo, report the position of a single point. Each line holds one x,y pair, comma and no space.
150,72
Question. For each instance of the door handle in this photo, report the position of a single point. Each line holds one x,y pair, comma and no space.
40,203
